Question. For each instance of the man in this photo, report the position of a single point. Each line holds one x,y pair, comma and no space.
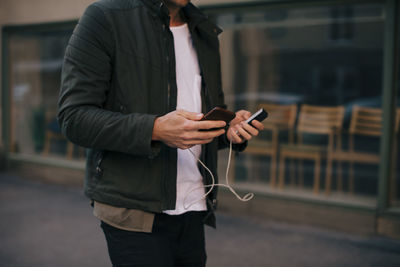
137,77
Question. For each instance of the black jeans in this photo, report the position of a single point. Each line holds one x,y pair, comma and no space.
176,240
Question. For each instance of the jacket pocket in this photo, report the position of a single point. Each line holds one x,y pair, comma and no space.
134,178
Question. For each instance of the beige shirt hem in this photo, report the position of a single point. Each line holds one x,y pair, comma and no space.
123,218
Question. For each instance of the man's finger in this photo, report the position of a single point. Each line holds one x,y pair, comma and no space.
245,114
244,133
197,137
206,125
194,116
250,129
183,146
234,136
258,125
241,115
204,135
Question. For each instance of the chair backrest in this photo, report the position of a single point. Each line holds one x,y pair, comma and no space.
320,119
280,116
368,121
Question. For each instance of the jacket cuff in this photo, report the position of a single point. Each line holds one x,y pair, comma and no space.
235,147
144,144
155,146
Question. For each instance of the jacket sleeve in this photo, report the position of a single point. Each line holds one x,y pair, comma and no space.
85,84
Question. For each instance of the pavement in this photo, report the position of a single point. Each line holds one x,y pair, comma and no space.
50,225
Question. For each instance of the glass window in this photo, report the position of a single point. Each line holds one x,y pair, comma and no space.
35,61
318,72
394,188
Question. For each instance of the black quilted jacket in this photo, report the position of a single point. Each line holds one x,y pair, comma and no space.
118,76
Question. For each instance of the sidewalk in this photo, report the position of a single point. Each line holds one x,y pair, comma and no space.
48,225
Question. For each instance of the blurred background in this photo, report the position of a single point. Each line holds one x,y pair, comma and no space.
325,70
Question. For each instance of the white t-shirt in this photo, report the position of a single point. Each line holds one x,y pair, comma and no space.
188,80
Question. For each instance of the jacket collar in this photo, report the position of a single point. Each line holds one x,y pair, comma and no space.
194,16
156,7
198,19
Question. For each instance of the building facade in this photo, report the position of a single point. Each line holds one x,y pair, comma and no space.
326,71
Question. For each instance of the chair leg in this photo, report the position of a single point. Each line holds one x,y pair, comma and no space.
301,174
351,178
292,168
328,182
46,147
273,171
392,180
340,177
70,150
317,173
81,152
392,185
281,171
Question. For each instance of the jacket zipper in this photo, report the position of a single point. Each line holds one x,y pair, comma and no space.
166,151
99,171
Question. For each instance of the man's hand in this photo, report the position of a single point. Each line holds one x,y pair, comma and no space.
180,129
240,131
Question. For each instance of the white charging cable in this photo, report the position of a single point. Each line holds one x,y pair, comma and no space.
245,198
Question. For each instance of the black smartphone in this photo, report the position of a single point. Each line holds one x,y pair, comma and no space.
260,115
219,114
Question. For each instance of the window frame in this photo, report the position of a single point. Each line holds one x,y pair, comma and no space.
389,81
7,33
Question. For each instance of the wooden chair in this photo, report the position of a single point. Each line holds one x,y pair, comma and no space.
365,121
49,136
52,134
280,118
313,120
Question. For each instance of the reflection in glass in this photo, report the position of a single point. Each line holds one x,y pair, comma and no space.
35,61
328,56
